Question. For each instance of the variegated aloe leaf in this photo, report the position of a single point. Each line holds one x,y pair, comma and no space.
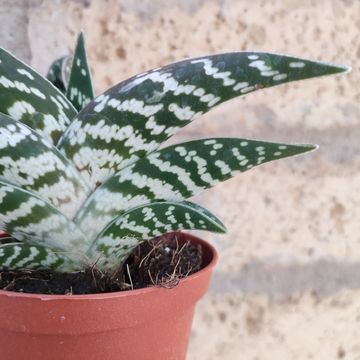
80,89
134,117
28,218
31,162
17,255
59,73
176,173
24,92
125,232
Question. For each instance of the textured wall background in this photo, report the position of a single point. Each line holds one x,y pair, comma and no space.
287,286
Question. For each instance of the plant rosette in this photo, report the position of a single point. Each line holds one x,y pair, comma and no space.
83,182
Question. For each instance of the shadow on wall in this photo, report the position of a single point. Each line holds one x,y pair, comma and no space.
280,281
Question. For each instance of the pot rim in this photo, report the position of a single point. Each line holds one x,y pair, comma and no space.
118,294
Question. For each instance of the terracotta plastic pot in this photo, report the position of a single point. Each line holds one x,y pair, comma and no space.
145,324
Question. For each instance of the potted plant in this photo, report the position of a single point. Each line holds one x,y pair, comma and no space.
83,183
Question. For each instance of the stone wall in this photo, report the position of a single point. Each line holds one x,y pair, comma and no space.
287,285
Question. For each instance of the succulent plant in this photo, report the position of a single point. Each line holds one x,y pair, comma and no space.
83,180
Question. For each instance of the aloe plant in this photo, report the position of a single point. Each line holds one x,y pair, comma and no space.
82,179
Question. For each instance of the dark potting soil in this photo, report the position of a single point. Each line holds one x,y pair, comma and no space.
157,262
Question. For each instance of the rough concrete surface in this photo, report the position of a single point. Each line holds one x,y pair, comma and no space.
287,285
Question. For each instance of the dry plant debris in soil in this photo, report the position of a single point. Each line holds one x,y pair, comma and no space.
157,262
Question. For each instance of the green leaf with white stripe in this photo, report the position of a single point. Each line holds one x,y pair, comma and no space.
28,218
136,116
31,162
24,92
176,173
124,233
59,73
112,145
14,256
80,89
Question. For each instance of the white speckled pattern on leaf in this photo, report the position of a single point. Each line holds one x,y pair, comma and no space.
24,92
136,116
105,187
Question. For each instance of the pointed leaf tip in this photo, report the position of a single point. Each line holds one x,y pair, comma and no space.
335,68
312,147
221,227
80,88
304,148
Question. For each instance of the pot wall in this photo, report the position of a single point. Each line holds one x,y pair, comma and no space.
165,338
152,323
